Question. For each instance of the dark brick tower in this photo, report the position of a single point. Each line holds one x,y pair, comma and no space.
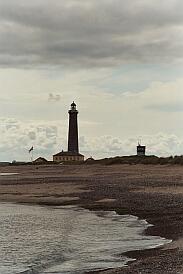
73,129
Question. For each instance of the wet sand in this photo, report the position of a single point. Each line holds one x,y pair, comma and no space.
154,193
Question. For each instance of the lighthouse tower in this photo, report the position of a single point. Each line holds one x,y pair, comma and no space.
73,129
72,154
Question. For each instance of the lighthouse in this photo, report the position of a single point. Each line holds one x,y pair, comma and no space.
73,129
72,154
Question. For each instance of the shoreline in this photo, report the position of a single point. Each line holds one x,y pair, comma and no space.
129,259
130,255
118,188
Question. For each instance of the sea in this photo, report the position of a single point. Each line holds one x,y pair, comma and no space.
67,239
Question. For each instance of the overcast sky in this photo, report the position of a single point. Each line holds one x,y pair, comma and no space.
121,61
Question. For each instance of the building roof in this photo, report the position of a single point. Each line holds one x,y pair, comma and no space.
40,159
90,159
68,153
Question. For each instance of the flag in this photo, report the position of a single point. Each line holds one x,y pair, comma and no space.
31,149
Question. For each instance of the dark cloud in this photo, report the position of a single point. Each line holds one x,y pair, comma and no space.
89,32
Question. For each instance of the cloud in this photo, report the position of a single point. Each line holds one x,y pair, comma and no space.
32,135
54,97
17,137
160,144
44,33
49,138
109,122
171,107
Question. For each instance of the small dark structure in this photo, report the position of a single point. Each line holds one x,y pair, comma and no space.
40,160
141,150
89,160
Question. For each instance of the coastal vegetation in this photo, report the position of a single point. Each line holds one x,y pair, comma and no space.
145,160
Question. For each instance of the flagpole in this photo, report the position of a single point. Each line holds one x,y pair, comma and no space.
31,151
32,156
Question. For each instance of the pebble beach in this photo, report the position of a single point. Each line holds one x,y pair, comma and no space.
150,192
